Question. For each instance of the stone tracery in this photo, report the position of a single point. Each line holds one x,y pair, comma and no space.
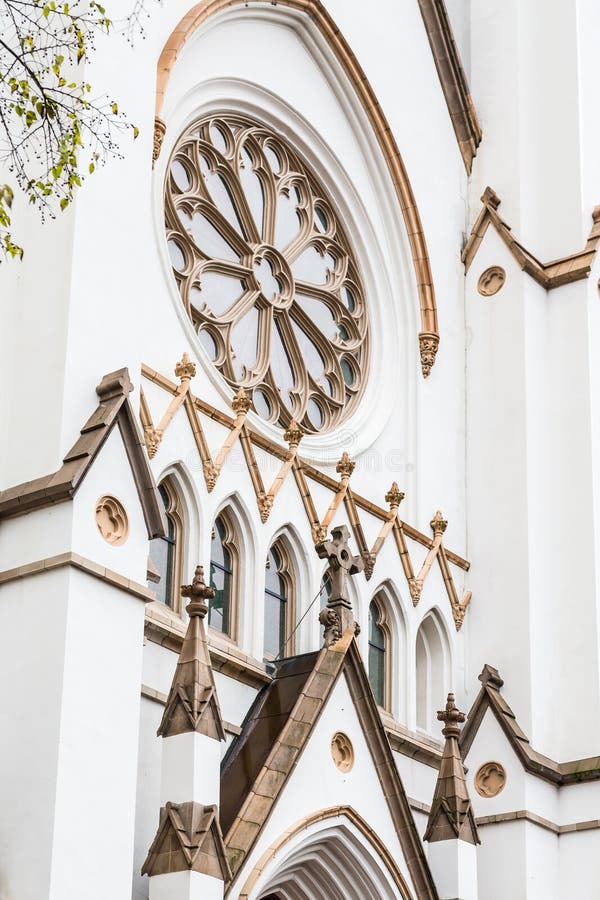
266,272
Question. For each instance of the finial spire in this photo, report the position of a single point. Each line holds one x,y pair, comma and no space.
192,703
451,816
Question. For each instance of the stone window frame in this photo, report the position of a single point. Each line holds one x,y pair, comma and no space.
347,356
231,543
288,573
432,632
174,511
380,602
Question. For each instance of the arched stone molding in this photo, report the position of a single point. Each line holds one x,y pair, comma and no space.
299,555
191,506
433,668
395,623
238,514
317,18
368,868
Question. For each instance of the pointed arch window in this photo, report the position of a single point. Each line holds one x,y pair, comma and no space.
164,560
279,602
379,653
325,590
432,671
223,576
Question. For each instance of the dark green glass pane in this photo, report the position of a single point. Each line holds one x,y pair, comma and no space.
219,606
377,673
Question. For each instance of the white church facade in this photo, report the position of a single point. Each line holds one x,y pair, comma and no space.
299,484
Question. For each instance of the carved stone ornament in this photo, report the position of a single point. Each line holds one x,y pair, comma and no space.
342,751
491,281
159,132
331,622
111,520
428,347
490,779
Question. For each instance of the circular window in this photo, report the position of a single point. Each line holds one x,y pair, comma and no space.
266,272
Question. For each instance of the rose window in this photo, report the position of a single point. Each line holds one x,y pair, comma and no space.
266,272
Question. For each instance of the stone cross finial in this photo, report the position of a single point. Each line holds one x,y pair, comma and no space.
338,616
199,593
452,718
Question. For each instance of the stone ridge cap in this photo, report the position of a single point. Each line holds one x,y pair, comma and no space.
114,408
570,772
453,79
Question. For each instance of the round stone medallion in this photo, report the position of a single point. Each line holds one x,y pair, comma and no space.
490,779
342,751
491,281
111,520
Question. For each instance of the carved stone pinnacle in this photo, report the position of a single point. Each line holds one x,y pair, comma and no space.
199,592
241,402
394,496
452,718
185,368
293,435
345,466
438,523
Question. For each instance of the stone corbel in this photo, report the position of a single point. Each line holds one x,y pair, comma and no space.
185,371
394,498
160,130
240,405
428,347
344,468
415,584
265,499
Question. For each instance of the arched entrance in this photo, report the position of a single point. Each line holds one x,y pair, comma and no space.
332,856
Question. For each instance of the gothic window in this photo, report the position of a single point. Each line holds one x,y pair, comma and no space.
266,272
164,562
325,590
278,603
379,664
223,562
432,663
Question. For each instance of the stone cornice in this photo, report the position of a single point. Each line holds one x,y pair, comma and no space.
83,564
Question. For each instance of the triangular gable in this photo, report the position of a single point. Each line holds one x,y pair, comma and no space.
274,736
188,838
551,274
489,697
114,409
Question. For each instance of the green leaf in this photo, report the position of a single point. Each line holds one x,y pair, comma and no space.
64,203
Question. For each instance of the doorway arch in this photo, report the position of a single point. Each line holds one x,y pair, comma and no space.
333,854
